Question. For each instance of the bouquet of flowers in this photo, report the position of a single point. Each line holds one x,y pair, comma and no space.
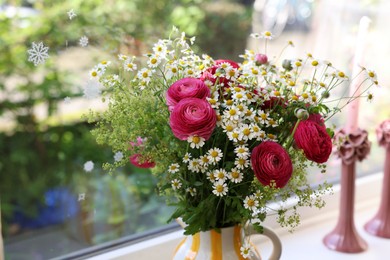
225,139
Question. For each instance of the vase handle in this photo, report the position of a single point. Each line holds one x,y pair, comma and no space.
276,243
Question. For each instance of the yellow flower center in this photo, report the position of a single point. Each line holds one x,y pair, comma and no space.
235,175
313,98
232,112
255,72
219,188
246,131
256,129
298,63
94,73
267,33
219,117
190,72
239,96
229,128
145,74
229,102
196,139
250,203
231,73
214,154
235,135
221,175
248,113
295,98
277,93
241,150
241,161
263,116
371,74
314,63
104,62
305,95
212,101
291,83
341,74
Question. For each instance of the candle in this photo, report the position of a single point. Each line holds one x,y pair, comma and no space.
353,112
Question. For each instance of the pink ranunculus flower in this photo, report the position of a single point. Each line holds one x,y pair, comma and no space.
270,162
312,138
185,88
192,116
138,161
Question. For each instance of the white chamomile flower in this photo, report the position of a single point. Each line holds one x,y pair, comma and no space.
220,174
191,191
122,57
220,188
172,70
176,184
38,53
83,41
272,123
71,14
118,156
233,113
92,89
241,163
372,76
186,157
210,176
145,75
88,166
239,96
245,132
160,48
242,151
129,65
297,63
204,161
251,202
263,117
340,75
235,175
154,61
234,135
194,165
173,168
196,141
214,155
246,251
213,102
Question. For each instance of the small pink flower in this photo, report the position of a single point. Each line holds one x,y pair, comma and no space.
185,88
261,59
193,116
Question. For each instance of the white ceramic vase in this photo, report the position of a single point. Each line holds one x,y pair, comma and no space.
224,245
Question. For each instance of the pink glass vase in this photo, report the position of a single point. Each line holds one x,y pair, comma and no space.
344,237
379,225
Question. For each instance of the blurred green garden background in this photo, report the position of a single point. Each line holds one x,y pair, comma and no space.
43,141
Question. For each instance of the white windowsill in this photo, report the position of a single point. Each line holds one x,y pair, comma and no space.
304,243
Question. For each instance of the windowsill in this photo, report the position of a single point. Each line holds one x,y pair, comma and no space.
304,243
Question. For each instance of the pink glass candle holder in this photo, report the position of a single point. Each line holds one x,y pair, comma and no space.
344,237
379,225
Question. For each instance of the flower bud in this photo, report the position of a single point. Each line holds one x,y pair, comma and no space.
325,94
261,59
287,65
301,114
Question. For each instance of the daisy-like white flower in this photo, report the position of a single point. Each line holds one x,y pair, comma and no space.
174,167
160,48
257,133
272,123
233,113
241,163
235,175
154,61
118,156
71,14
220,174
194,165
220,188
210,176
129,65
234,135
176,184
242,151
245,132
340,75
145,75
372,76
88,166
214,155
38,53
83,41
122,57
191,191
263,117
204,161
213,101
81,196
267,35
296,63
187,157
246,251
92,89
250,202
172,70
196,141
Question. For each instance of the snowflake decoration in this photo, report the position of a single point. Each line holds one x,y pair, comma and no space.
83,41
81,196
88,166
71,14
92,89
67,100
38,53
118,156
